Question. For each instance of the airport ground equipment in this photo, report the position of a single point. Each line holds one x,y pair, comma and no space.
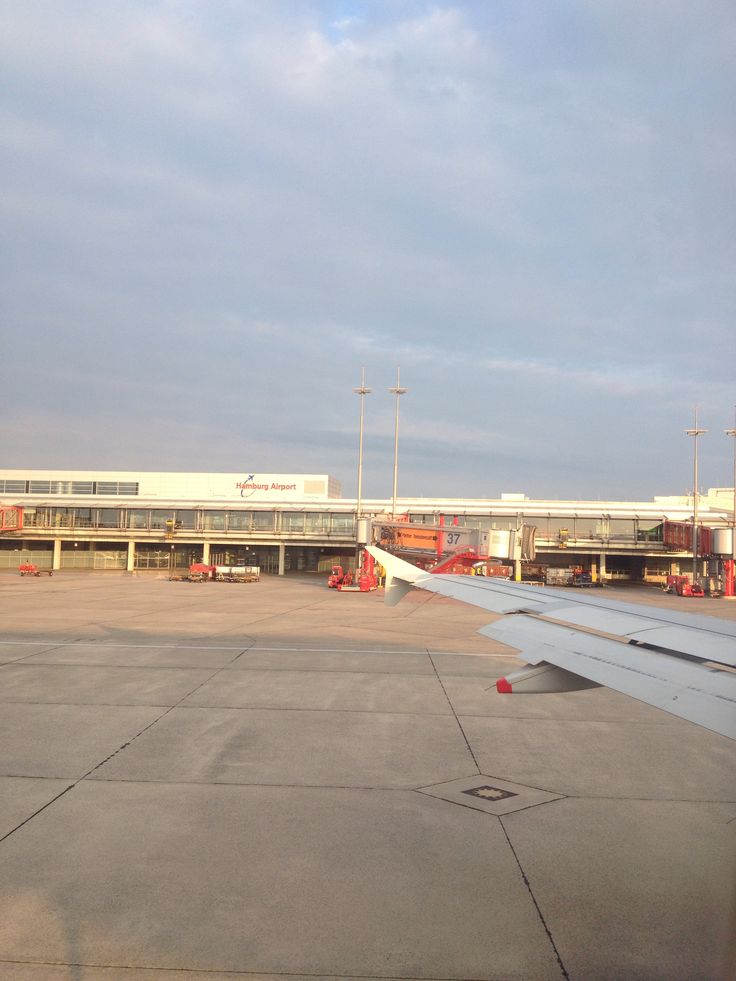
199,572
28,569
572,576
363,580
237,573
336,577
682,586
682,663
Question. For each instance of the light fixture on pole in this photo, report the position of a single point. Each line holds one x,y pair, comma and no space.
695,432
362,391
398,391
732,433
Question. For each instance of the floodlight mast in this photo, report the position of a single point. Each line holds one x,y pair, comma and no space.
397,391
362,391
695,432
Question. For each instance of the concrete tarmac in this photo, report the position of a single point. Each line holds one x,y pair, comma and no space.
211,781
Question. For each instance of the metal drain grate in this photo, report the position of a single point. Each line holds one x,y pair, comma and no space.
489,793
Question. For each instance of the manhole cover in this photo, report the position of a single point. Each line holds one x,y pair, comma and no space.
489,793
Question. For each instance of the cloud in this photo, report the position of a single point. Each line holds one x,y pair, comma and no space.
217,212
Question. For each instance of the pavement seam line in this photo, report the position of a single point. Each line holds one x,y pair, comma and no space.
454,713
156,720
538,908
31,816
258,974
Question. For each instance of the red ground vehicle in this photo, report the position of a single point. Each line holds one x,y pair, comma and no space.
682,586
338,576
362,581
28,569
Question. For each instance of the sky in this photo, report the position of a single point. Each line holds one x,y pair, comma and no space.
216,212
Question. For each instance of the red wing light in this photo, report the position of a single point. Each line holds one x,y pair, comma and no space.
503,687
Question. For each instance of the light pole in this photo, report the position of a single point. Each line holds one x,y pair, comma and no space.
398,391
732,433
695,432
362,391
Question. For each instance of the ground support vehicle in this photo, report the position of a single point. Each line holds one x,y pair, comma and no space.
199,572
28,569
364,580
237,573
337,577
682,586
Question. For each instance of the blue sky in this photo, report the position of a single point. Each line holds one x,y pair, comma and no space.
215,213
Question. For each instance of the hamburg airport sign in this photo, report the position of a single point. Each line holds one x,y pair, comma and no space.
254,485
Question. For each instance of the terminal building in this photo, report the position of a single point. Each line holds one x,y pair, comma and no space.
125,521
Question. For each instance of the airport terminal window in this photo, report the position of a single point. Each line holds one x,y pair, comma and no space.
12,486
108,518
316,522
186,520
292,521
650,529
621,528
263,520
137,518
83,518
343,524
505,522
114,488
590,527
238,520
60,517
213,520
40,487
79,487
556,525
159,517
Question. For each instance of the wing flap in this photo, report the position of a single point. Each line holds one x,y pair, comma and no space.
687,689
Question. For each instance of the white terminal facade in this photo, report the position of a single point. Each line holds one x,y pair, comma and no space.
110,520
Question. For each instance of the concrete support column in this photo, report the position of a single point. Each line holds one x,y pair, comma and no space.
131,557
282,558
517,570
205,553
603,566
56,557
593,571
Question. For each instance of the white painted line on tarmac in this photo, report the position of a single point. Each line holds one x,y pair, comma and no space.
241,647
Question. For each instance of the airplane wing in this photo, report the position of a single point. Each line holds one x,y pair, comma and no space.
682,663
